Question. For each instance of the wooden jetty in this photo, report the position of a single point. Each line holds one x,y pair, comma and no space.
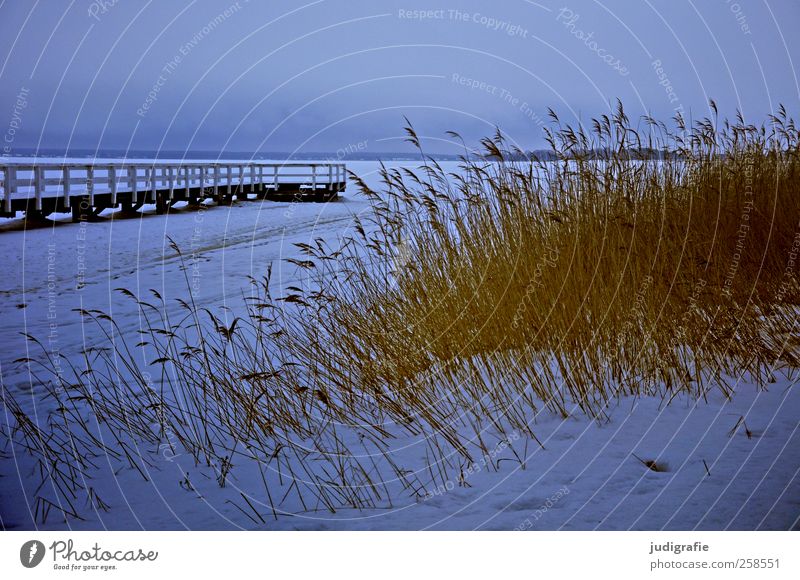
85,190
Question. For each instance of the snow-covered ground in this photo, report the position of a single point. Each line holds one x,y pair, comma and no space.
587,476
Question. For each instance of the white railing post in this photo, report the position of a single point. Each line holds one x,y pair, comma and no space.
216,180
171,182
112,181
314,178
65,177
229,175
275,178
10,184
38,185
186,177
133,178
90,184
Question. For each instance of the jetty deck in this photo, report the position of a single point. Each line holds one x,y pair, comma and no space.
85,190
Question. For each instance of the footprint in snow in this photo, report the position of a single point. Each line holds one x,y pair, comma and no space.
528,504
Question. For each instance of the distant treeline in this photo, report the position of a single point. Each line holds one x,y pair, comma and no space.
535,155
643,153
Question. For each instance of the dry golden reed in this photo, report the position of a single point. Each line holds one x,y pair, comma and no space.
631,259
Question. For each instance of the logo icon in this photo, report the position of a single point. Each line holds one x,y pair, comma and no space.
31,553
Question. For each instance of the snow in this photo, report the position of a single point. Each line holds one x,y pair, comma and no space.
586,476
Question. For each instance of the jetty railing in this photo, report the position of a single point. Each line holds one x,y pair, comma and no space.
47,187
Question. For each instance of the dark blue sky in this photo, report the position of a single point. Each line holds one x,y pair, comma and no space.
339,74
